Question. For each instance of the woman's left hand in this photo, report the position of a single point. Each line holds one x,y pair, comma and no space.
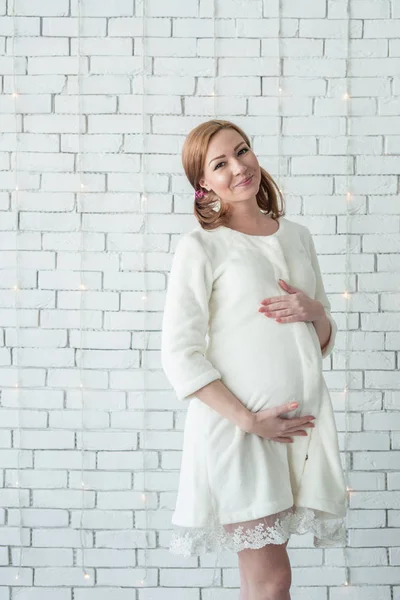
295,307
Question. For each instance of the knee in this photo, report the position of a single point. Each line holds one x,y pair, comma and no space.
277,586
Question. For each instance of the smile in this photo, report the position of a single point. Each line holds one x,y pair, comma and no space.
246,182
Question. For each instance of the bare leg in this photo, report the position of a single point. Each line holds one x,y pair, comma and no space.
267,573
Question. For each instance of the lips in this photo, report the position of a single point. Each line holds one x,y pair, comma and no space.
245,181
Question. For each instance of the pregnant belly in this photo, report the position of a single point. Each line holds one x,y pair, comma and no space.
267,364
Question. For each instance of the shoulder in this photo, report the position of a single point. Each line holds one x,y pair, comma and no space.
200,240
293,228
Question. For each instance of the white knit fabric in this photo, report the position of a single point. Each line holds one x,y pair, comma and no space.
212,329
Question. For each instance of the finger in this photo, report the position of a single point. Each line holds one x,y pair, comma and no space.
296,428
272,300
275,309
276,411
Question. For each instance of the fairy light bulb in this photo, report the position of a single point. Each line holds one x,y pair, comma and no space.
83,286
144,297
15,94
86,576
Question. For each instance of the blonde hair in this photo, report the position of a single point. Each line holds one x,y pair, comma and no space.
206,209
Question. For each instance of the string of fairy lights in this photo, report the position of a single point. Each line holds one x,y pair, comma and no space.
17,285
80,358
82,188
145,333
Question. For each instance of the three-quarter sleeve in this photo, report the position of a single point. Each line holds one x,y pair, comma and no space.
185,319
320,295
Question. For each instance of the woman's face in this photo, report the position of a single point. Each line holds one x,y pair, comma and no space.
223,174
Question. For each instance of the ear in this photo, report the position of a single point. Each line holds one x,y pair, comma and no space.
202,182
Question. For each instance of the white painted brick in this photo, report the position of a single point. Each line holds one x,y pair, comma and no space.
381,28
100,340
127,461
25,103
156,27
102,480
68,65
58,576
87,104
108,441
8,65
72,241
65,319
168,47
9,574
359,48
134,420
103,46
235,86
174,8
38,46
103,359
92,8
107,65
189,578
40,84
39,518
226,106
99,84
71,378
186,66
329,28
91,143
5,439
28,418
70,182
40,439
361,592
309,9
34,478
68,26
23,25
154,104
168,593
27,318
43,8
93,300
29,142
103,593
51,124
125,500
10,457
114,124
41,557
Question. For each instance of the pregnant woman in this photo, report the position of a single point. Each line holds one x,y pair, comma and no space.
245,327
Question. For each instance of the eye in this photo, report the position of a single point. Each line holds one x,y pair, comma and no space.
238,153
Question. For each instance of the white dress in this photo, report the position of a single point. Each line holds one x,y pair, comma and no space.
238,490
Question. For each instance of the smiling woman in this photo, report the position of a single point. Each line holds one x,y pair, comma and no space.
242,484
224,200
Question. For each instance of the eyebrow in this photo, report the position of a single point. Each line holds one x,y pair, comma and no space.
222,155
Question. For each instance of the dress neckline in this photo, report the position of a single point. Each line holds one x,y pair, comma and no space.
276,233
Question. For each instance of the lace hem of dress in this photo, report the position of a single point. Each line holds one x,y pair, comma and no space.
328,530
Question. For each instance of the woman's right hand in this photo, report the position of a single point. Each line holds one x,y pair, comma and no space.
268,424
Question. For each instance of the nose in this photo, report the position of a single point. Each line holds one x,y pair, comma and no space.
239,168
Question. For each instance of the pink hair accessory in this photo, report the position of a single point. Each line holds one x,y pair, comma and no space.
199,194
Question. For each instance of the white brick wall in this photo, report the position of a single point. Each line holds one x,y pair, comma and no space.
179,66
